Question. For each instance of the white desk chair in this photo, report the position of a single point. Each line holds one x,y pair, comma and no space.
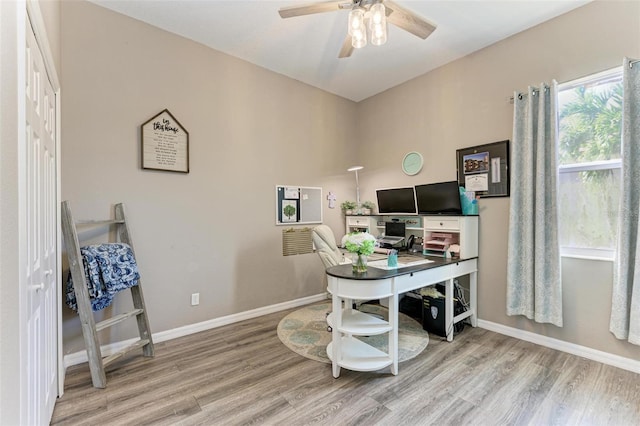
326,246
328,250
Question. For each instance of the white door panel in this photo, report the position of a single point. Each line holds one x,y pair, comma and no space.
42,297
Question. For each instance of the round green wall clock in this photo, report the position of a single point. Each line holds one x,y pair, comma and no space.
412,163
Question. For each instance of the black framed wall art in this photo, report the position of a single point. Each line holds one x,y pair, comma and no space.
484,169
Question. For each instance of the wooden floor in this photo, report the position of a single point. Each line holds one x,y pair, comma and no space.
242,374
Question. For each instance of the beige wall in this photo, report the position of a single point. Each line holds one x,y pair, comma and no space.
51,16
466,103
211,231
10,384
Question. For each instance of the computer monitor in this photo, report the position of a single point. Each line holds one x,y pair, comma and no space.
439,198
394,229
396,201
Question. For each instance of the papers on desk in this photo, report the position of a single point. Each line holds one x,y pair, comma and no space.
403,262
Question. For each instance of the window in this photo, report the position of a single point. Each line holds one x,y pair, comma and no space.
589,122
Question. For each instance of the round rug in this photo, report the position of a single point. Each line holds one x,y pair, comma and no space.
305,332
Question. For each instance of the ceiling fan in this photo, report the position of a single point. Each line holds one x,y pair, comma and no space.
372,13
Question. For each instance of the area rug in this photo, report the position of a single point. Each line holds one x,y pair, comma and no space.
305,332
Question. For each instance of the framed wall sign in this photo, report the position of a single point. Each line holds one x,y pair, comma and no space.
484,169
165,144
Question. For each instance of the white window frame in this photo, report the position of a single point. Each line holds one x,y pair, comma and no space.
582,252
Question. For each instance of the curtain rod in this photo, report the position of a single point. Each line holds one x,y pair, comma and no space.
631,63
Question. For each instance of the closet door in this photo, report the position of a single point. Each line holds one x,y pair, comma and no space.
42,276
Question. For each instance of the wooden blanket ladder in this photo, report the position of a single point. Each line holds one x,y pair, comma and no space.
90,327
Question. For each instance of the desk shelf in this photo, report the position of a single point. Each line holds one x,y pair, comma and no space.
407,228
346,323
359,323
358,356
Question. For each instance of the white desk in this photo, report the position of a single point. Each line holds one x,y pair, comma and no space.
345,286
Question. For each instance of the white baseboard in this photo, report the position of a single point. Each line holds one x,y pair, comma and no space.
81,356
549,342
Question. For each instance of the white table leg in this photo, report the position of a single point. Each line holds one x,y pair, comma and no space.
393,334
448,309
473,290
336,306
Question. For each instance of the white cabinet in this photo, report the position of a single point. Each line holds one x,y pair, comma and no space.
451,233
440,233
362,224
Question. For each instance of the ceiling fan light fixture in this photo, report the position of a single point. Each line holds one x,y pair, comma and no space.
378,14
359,39
365,16
378,24
356,20
357,28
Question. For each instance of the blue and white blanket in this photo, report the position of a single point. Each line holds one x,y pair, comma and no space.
108,269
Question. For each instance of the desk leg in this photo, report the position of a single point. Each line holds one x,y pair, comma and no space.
336,306
473,290
393,334
448,309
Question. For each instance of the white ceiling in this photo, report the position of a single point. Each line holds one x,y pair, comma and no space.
306,48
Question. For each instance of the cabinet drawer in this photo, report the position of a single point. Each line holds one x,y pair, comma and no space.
452,223
420,279
358,221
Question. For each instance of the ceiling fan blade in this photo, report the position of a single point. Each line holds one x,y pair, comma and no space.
408,21
308,9
347,49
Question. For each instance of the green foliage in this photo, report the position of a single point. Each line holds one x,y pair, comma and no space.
368,205
348,205
289,211
590,125
360,243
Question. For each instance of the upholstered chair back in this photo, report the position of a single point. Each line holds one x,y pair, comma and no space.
326,246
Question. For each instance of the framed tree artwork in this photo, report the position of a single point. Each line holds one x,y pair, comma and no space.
296,205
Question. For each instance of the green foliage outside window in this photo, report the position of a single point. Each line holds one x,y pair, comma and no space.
590,118
590,124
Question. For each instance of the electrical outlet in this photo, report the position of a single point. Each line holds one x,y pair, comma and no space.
195,299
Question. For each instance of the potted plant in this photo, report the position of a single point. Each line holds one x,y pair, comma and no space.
368,207
361,245
348,207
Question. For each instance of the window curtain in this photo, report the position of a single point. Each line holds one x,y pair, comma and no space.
625,305
534,288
